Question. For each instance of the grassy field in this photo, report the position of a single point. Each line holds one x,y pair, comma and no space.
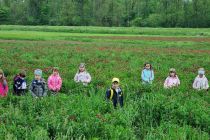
149,112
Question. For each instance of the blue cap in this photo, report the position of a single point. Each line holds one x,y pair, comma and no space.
38,72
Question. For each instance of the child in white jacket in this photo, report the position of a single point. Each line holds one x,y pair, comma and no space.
82,75
201,82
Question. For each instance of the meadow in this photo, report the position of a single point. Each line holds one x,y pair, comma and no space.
78,112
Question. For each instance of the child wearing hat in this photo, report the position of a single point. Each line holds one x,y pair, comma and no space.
3,85
172,80
115,93
82,76
201,82
54,81
147,74
38,86
19,85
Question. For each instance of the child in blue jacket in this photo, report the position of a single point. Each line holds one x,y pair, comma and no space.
147,74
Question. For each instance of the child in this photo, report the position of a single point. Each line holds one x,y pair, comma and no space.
19,85
82,75
38,86
3,84
201,81
115,93
147,74
172,80
55,81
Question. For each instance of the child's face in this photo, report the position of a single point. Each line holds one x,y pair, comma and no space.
1,75
200,75
172,74
38,77
147,66
115,85
81,69
55,72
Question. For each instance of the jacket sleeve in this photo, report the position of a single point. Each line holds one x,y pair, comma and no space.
206,84
88,78
59,83
153,76
76,78
31,90
195,83
178,81
49,82
6,88
108,94
143,76
166,83
45,89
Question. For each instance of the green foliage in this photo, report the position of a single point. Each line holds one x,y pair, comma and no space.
79,112
142,13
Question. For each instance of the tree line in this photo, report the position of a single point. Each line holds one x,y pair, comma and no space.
141,13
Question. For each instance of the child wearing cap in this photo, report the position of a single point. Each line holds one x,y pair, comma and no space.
54,81
147,74
38,86
3,84
115,93
19,85
82,75
172,80
201,82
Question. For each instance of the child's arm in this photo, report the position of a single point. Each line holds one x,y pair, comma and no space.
31,90
152,76
143,77
178,81
76,78
88,78
45,89
49,82
58,87
195,83
108,94
6,90
166,83
206,84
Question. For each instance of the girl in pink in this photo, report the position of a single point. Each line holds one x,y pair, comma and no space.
3,85
55,81
172,80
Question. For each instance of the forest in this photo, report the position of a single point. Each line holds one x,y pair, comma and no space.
117,13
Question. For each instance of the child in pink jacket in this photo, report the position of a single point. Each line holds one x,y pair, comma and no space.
3,85
55,81
172,80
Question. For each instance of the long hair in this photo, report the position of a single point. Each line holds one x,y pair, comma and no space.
2,78
149,64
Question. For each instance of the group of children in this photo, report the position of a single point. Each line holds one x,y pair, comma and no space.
200,82
39,87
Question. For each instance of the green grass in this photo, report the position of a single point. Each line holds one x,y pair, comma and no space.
149,112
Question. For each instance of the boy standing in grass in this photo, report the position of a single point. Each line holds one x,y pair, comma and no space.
115,93
19,85
201,82
38,86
